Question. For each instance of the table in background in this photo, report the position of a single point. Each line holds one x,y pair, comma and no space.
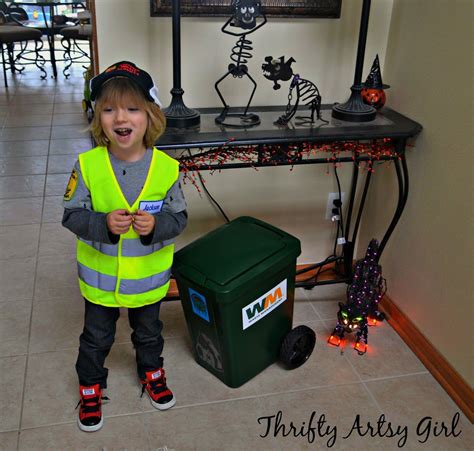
51,24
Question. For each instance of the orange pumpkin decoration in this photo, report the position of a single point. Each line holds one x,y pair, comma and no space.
374,97
373,89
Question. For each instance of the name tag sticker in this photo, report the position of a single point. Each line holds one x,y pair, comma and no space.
151,206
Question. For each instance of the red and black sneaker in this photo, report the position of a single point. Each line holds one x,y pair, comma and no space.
90,413
161,397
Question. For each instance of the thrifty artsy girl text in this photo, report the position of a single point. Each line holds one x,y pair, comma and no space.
426,429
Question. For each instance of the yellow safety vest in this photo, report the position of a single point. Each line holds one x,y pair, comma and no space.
126,274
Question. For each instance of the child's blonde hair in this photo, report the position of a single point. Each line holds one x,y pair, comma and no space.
114,92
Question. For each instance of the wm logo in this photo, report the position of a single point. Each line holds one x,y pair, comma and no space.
259,307
264,305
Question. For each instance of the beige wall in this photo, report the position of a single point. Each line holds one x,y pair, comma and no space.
122,31
429,261
325,52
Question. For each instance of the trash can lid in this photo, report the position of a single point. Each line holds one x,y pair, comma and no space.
234,250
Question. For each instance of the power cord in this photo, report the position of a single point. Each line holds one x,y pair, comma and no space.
214,201
338,202
339,219
340,229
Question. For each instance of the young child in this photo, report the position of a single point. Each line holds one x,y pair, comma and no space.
125,204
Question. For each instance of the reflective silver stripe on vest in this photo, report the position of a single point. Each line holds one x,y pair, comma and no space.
127,286
134,248
107,249
130,248
137,286
96,279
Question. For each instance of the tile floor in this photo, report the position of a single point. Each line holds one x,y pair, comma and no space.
41,314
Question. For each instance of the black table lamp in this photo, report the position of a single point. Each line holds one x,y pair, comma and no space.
178,115
355,110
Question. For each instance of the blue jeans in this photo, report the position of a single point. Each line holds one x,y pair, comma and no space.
99,334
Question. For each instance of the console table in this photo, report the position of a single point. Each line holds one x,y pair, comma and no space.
385,138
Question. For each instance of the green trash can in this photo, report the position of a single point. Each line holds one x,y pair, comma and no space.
236,286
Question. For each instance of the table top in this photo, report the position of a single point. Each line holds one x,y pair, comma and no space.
41,25
50,3
387,124
46,10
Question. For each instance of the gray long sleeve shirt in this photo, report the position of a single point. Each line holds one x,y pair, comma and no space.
91,225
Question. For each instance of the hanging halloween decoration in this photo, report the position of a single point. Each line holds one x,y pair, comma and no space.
363,296
248,16
373,89
216,158
305,91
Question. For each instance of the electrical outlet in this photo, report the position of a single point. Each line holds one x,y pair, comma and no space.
330,205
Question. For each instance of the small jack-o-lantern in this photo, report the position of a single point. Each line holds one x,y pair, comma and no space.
373,89
374,97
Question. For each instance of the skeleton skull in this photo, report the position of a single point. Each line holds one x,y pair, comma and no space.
246,13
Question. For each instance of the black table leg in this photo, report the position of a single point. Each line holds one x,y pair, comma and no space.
403,184
4,67
355,176
52,53
361,205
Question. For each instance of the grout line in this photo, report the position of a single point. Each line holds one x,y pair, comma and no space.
25,223
24,175
13,355
202,404
10,430
365,381
311,303
116,343
376,379
4,122
22,402
176,407
314,387
371,396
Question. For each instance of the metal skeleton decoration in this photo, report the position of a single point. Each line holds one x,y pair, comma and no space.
247,14
306,91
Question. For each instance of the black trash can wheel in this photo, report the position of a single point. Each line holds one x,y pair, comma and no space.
297,346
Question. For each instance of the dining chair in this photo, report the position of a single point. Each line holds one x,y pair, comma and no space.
12,34
73,52
82,32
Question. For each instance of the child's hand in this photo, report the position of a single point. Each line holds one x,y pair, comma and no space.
143,222
119,221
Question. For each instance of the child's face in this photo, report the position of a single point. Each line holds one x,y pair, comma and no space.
125,125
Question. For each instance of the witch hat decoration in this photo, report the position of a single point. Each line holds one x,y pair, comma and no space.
374,79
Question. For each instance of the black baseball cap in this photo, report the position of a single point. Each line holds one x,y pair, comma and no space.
129,70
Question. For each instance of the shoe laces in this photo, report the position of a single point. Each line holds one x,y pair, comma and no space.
156,386
91,405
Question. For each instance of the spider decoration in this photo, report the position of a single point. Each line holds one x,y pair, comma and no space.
363,295
306,91
247,15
